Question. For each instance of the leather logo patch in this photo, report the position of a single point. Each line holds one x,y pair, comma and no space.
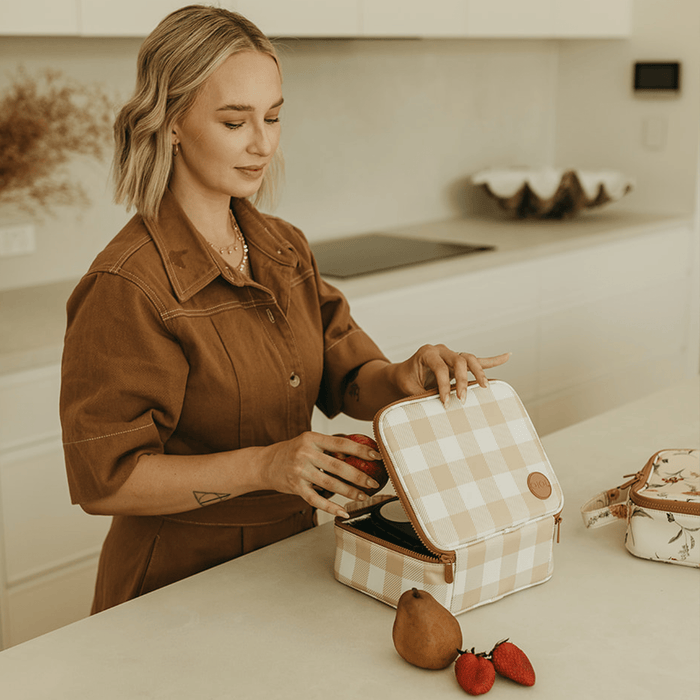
539,485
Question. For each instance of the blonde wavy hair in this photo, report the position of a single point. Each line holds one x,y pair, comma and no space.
173,63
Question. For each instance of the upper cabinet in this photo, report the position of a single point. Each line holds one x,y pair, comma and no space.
549,19
593,18
302,18
495,19
414,18
124,18
40,18
510,18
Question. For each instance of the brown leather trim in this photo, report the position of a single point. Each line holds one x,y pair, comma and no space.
659,504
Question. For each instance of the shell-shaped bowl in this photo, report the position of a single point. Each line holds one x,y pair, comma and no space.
552,193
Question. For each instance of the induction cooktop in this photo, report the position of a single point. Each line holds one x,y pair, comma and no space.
375,252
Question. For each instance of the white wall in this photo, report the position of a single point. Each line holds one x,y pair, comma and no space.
383,133
601,122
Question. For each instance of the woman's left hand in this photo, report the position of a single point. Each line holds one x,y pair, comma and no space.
378,383
436,365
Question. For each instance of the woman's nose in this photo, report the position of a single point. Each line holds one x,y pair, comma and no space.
262,142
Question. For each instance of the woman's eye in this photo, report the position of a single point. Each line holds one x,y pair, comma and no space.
273,120
231,125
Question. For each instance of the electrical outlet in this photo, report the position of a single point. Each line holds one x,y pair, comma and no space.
17,240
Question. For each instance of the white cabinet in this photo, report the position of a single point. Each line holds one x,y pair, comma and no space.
509,18
413,18
49,548
338,18
593,18
303,18
124,18
549,18
41,17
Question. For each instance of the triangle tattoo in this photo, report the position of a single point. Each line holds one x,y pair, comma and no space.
206,498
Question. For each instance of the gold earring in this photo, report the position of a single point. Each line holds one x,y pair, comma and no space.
176,149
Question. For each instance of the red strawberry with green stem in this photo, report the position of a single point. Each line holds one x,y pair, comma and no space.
475,673
511,662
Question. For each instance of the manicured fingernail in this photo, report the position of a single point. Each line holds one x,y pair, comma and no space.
361,496
343,514
372,484
463,396
374,455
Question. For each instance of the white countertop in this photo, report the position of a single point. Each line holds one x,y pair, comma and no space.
276,624
32,319
515,240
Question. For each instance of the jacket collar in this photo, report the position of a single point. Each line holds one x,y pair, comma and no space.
191,264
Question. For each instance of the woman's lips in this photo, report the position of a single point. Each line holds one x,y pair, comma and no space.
251,171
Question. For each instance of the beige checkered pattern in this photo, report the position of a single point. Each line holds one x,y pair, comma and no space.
465,468
505,563
464,471
384,573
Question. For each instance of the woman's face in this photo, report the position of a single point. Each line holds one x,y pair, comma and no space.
227,139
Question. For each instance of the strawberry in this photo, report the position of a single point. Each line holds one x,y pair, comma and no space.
511,662
475,673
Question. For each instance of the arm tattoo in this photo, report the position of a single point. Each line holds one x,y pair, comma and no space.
206,498
351,387
354,391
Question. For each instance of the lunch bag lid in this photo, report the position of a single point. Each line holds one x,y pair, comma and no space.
468,471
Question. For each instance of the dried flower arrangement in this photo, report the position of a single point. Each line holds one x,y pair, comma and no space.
44,122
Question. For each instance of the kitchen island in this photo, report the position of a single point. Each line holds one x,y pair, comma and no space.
276,624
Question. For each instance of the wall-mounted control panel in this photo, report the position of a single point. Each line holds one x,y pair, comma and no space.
657,76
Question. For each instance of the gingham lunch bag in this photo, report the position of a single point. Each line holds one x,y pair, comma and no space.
480,498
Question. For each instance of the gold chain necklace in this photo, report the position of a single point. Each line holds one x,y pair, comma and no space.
228,250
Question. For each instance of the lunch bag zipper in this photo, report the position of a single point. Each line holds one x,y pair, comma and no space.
447,558
442,558
640,479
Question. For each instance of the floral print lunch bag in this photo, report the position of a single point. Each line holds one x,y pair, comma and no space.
661,505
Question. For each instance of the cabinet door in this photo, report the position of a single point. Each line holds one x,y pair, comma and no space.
42,531
593,18
29,407
41,17
549,18
510,18
124,18
303,18
414,18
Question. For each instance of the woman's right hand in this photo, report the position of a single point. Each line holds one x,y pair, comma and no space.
301,466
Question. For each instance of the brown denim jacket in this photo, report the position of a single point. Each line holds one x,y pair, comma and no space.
168,350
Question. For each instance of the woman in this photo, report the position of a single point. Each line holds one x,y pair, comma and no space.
201,338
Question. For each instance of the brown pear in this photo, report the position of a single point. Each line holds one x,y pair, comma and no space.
426,634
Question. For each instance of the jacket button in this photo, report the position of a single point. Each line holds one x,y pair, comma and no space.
294,380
